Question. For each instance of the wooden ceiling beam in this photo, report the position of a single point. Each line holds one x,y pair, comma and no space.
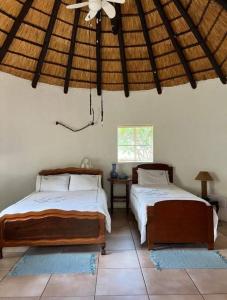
47,38
175,43
223,3
72,49
13,31
201,41
149,46
98,53
122,50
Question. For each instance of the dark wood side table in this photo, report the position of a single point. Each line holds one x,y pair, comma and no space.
113,198
214,203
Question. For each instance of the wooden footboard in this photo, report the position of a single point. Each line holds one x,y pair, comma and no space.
52,227
180,221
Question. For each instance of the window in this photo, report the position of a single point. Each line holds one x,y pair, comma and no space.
135,144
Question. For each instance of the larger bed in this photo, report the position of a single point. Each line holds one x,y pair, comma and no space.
168,214
57,218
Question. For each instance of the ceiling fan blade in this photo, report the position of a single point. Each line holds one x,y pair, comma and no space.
77,5
109,9
117,1
91,15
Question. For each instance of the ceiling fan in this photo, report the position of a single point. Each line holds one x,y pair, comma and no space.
96,5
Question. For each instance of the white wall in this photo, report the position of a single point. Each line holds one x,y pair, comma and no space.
190,132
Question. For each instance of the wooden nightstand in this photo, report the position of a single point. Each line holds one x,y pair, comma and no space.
113,198
214,204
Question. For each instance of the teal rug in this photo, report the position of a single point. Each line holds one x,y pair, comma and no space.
37,261
188,259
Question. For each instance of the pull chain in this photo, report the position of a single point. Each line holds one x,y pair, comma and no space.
90,96
102,98
102,110
90,103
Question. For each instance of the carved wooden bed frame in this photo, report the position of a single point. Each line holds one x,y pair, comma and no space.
174,221
54,227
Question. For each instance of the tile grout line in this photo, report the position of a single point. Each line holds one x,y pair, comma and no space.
10,269
45,286
138,260
194,283
97,276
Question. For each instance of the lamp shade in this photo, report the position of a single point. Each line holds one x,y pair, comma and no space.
204,176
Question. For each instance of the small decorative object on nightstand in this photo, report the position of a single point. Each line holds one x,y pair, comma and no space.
204,176
113,173
113,198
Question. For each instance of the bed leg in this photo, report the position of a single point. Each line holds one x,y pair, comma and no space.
150,227
103,249
150,245
1,253
210,246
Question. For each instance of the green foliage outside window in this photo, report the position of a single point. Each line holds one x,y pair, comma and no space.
135,144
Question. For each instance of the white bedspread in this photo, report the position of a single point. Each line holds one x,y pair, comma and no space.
141,197
92,201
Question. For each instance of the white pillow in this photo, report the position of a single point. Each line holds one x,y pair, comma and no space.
52,183
84,182
148,177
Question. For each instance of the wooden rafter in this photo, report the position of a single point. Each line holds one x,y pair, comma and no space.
20,53
201,41
149,46
98,53
16,25
175,43
72,49
47,38
115,23
122,49
223,3
203,13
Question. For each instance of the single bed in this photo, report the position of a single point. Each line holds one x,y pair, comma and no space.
168,214
57,218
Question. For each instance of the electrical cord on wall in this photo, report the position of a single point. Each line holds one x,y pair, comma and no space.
92,123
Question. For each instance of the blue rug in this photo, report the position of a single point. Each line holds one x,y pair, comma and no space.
37,261
188,259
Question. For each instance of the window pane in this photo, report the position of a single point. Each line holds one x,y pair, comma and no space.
144,136
144,153
135,144
126,153
125,136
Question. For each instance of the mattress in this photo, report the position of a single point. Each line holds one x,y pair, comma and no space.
91,201
142,197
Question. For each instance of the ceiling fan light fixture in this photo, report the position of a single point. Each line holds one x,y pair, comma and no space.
96,5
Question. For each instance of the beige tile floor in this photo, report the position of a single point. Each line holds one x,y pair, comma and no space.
126,273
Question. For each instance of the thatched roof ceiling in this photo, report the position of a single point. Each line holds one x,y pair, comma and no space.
158,43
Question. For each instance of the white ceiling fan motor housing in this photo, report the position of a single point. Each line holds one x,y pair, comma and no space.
95,5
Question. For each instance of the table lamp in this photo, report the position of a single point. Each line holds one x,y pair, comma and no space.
204,176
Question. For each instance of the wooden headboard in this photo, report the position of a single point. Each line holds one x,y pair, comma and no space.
154,166
71,170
